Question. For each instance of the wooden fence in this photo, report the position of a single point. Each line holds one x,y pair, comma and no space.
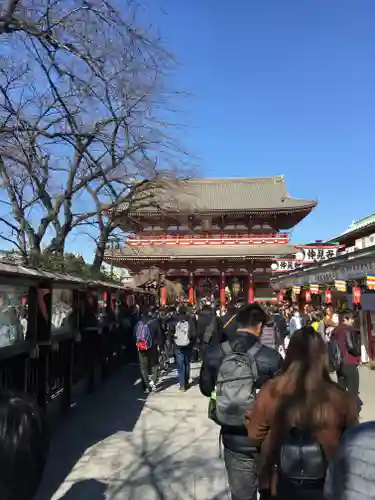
58,332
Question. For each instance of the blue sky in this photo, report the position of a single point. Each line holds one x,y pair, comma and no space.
277,87
281,87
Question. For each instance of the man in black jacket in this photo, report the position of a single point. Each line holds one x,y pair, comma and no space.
239,454
208,328
229,323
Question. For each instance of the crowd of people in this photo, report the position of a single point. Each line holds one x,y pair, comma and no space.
288,430
283,385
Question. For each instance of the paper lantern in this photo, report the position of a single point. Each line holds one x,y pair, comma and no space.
308,296
356,295
280,296
314,289
328,297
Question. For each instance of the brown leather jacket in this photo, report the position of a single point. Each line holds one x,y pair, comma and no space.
261,421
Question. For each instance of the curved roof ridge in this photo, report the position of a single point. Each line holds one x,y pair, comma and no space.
367,218
208,180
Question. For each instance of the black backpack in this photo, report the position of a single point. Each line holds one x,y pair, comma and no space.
209,331
334,355
302,460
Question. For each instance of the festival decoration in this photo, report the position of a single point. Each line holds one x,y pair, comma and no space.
308,296
296,289
328,296
314,289
356,295
340,285
370,281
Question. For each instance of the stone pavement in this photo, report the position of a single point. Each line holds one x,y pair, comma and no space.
119,444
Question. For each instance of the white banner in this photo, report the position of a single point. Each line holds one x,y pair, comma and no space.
286,265
316,254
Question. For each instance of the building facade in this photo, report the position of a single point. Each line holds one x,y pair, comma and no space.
217,237
345,281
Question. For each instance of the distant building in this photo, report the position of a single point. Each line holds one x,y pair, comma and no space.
211,234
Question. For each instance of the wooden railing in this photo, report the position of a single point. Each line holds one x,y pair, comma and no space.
207,239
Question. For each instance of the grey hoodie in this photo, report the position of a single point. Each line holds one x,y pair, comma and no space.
351,471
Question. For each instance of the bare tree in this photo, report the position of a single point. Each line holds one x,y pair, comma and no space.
85,118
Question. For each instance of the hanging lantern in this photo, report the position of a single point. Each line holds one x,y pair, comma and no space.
280,296
370,281
340,285
308,296
356,295
296,289
314,289
328,296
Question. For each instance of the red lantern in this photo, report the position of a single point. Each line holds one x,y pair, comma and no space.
328,297
280,296
356,295
308,296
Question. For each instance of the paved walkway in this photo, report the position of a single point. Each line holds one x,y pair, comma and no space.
120,445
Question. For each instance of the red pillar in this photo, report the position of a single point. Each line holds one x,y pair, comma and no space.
369,335
222,289
163,296
250,293
191,289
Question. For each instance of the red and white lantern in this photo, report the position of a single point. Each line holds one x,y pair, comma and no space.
328,296
356,295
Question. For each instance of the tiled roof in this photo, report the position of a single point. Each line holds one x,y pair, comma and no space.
199,251
230,194
357,226
361,223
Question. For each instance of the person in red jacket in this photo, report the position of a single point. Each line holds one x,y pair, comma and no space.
349,341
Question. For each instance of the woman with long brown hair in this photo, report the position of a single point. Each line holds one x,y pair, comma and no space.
298,419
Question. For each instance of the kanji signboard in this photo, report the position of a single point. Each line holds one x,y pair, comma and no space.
287,265
316,254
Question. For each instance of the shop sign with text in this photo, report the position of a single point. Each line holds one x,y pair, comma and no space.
317,254
345,272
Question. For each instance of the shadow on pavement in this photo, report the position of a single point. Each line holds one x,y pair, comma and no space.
89,488
166,466
116,406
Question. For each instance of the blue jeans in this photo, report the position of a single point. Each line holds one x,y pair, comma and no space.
242,475
183,356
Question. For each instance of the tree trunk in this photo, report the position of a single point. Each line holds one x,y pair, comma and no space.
100,249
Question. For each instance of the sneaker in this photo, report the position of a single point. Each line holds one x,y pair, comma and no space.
182,389
152,386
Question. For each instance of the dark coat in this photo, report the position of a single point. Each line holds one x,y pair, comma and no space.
268,361
349,341
205,318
